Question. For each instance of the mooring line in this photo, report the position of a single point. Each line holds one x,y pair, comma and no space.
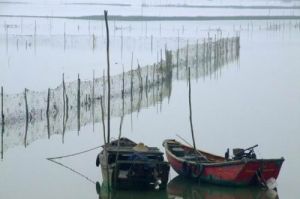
73,154
52,159
73,170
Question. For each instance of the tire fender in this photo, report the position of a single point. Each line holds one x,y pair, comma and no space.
186,169
197,170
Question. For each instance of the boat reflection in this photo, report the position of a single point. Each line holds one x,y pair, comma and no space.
181,188
104,193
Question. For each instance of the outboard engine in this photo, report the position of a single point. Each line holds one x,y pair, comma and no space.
244,153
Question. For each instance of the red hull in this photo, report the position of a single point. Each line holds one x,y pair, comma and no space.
233,172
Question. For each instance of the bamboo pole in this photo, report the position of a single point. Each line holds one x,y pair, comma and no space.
64,127
131,90
108,76
93,100
146,86
161,61
177,56
151,44
34,36
141,87
64,35
2,123
6,36
190,108
122,43
65,111
187,54
2,111
123,83
64,105
27,115
103,123
140,78
2,133
78,104
120,132
131,75
67,107
104,89
105,143
47,113
153,84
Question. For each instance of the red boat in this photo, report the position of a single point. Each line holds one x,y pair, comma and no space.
243,169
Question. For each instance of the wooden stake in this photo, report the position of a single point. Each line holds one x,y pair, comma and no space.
78,105
93,100
27,115
2,133
2,114
105,142
64,103
104,89
103,123
64,35
47,113
108,76
67,107
34,37
6,31
197,60
177,56
131,90
190,107
187,54
2,123
151,43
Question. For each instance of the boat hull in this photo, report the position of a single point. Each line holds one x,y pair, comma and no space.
232,173
141,176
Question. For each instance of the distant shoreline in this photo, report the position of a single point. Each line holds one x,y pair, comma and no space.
223,6
100,4
162,18
254,7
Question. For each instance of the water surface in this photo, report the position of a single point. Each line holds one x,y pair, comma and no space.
253,99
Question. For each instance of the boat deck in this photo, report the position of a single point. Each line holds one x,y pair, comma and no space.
129,149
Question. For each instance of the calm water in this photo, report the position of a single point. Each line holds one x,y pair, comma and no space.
254,99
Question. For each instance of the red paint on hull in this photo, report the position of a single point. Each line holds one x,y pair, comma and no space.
233,172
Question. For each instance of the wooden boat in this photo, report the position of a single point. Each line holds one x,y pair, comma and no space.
132,165
179,187
243,169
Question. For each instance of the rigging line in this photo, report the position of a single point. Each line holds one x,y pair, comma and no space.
69,168
74,154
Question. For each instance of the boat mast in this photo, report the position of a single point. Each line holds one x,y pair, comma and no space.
108,77
190,107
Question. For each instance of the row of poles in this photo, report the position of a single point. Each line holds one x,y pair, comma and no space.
269,26
166,73
89,101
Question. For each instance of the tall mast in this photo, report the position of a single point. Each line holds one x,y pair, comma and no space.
108,77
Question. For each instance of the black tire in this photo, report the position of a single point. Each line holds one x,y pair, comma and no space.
185,169
97,161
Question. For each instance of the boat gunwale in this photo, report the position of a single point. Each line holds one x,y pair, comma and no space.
153,150
140,162
214,164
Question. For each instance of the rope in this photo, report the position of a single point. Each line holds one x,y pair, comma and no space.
69,168
76,172
74,154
